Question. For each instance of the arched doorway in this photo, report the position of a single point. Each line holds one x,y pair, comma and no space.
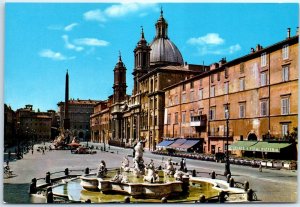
252,136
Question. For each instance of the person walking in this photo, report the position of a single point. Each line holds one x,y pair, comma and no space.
260,167
43,151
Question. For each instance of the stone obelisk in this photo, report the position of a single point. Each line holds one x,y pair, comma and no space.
66,109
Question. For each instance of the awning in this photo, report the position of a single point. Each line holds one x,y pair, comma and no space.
188,144
165,143
268,147
242,145
177,143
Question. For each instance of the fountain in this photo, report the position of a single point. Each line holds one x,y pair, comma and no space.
142,182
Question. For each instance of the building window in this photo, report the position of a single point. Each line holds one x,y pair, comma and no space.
176,100
212,91
242,84
212,113
191,114
200,94
183,87
242,68
200,82
176,118
191,96
200,111
218,76
170,101
285,106
284,129
226,87
183,98
285,73
285,52
192,84
264,108
226,107
242,110
212,78
155,120
263,79
263,59
183,117
226,72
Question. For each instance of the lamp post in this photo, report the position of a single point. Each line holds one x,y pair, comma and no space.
227,163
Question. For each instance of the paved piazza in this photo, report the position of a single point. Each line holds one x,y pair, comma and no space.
270,185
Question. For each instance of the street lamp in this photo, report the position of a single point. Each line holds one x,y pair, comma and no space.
227,163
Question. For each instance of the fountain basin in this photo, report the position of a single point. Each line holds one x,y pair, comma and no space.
140,189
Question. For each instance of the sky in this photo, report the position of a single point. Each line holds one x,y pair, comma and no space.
44,40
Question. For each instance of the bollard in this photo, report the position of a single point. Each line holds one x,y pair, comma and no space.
228,177
231,182
159,167
127,199
246,185
88,201
202,198
194,173
250,195
164,200
222,197
50,197
32,188
67,171
185,170
48,180
87,171
213,175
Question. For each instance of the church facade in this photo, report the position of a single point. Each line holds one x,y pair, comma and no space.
141,116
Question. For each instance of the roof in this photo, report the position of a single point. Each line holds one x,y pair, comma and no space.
165,143
177,143
188,144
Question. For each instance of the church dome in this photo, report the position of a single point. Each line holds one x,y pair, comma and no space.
164,51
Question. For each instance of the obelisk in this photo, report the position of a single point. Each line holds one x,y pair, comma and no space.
66,115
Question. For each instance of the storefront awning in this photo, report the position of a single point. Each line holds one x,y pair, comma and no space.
241,145
188,144
268,147
177,143
165,143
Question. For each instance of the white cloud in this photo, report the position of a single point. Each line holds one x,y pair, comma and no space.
47,53
71,46
91,42
234,48
70,26
208,39
119,10
94,15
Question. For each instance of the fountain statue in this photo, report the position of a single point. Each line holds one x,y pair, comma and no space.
125,164
138,161
151,175
170,170
119,178
101,171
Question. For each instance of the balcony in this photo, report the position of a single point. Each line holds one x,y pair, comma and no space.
198,121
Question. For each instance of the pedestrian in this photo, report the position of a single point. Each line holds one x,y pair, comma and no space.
32,151
260,167
43,151
181,165
7,162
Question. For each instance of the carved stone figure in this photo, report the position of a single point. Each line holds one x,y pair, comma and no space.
170,170
125,164
151,176
101,172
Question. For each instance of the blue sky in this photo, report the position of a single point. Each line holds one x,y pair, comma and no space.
43,40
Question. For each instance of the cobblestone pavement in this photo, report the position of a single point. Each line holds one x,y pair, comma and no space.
270,185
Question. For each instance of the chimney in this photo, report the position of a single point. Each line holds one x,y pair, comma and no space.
222,61
252,50
288,33
258,47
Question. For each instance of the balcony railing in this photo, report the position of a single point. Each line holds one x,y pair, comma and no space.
198,120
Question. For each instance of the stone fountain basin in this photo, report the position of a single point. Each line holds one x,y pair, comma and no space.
149,190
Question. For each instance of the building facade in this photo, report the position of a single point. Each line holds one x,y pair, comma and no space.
32,125
259,91
79,112
140,116
9,126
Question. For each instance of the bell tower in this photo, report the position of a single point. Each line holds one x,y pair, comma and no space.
119,81
161,26
141,60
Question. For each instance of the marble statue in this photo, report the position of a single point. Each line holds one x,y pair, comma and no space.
170,170
125,164
101,171
151,175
